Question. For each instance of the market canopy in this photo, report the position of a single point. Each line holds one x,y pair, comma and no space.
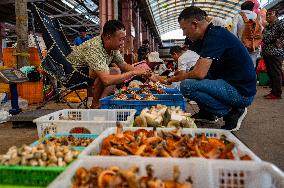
166,12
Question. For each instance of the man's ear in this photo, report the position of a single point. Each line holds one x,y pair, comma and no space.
108,36
194,23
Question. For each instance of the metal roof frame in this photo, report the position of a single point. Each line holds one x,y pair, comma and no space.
83,13
166,12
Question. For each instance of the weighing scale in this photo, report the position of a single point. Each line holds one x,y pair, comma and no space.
12,77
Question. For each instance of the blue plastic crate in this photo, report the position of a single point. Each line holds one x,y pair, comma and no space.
171,91
167,90
79,148
139,105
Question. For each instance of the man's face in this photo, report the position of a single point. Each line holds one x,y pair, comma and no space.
175,56
271,16
189,28
117,39
82,34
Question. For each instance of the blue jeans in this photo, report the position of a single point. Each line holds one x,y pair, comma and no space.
215,96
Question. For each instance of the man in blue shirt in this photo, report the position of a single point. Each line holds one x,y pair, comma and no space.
83,37
223,81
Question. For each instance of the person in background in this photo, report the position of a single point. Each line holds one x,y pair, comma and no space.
95,56
170,65
143,50
239,25
151,62
223,80
273,52
83,37
192,45
186,60
156,64
216,21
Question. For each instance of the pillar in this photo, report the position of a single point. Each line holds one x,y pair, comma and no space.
157,46
103,14
115,9
127,21
110,15
152,42
137,30
22,32
134,23
148,32
106,8
2,36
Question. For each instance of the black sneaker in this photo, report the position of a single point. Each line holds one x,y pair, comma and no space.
234,119
204,117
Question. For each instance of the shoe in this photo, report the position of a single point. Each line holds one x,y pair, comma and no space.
204,117
271,96
234,118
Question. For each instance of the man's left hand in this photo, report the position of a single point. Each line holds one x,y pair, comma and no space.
168,82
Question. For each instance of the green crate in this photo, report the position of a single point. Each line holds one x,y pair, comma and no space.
27,176
263,79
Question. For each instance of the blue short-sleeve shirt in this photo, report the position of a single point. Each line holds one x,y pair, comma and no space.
79,40
231,60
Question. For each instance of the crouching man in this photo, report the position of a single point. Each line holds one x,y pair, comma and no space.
96,54
223,81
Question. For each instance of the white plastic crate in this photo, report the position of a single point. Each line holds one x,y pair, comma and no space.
204,173
93,120
240,149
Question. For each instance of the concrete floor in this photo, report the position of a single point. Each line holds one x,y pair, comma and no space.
262,130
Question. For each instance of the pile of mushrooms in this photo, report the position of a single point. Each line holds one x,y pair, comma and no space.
41,155
163,116
68,141
117,177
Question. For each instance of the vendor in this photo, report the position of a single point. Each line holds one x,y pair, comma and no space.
98,53
223,81
186,60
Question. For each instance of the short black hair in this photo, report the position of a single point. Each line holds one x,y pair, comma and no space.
248,5
112,26
82,29
175,49
192,12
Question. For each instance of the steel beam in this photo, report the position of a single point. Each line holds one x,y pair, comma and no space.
4,2
70,15
79,25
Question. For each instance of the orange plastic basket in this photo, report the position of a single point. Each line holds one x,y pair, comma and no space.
31,91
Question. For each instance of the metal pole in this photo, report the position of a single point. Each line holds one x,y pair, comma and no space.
137,35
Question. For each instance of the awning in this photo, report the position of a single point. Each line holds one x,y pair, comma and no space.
166,12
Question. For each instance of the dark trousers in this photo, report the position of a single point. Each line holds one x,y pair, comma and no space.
274,71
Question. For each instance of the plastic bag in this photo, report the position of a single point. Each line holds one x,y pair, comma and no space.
4,116
261,67
23,104
3,98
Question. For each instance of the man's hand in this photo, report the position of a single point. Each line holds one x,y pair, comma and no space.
140,72
154,78
167,82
